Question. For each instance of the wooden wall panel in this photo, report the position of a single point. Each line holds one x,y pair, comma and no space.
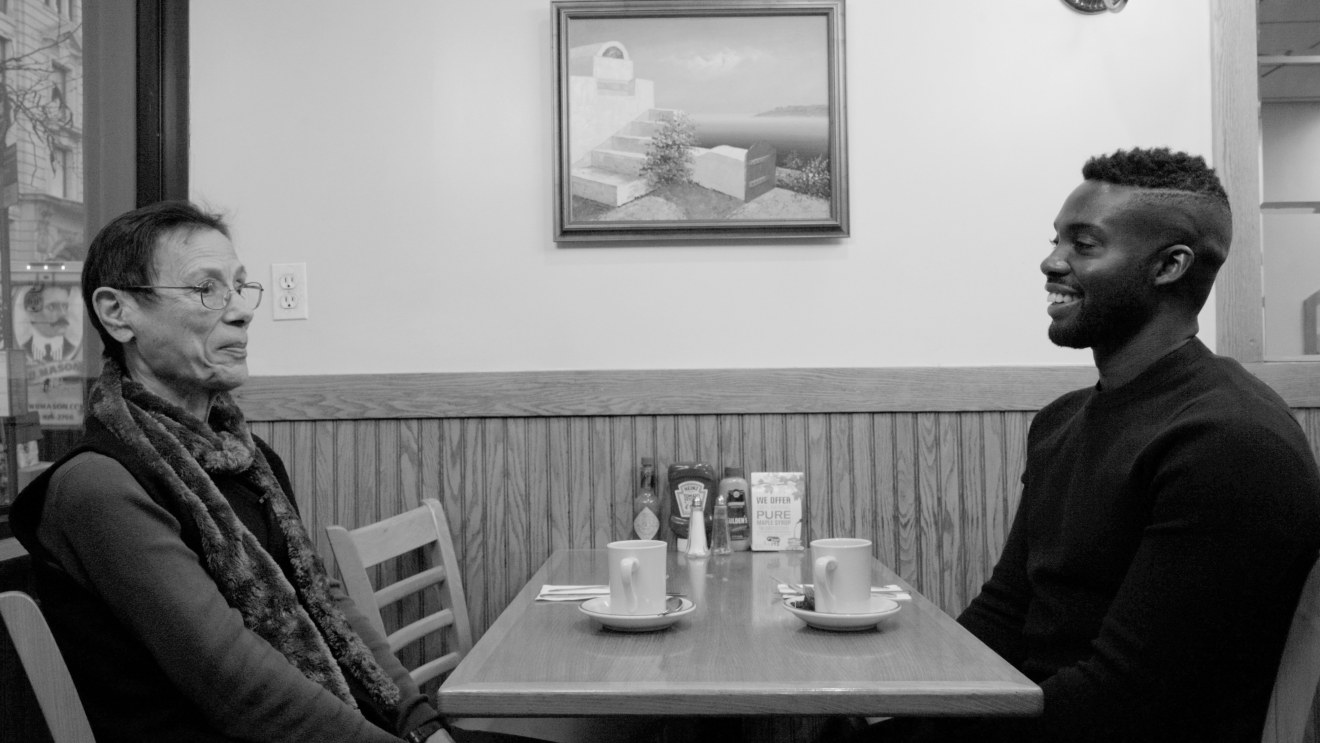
934,491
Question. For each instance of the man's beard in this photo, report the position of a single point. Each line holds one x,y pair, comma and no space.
1108,322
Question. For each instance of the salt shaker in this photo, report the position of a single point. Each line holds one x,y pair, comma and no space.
696,545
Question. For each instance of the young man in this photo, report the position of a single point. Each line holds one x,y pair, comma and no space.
1170,514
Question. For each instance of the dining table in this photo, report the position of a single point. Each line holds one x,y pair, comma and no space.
738,651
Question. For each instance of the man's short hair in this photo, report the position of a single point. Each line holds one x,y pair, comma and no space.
123,253
1186,196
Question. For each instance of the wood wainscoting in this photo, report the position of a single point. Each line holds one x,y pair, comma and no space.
924,462
933,491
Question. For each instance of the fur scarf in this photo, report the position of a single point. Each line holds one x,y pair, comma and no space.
297,618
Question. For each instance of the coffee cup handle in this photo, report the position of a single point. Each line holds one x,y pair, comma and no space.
630,567
822,574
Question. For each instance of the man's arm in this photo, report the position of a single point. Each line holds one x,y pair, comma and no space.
997,614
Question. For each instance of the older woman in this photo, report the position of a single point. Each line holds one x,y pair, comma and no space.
171,561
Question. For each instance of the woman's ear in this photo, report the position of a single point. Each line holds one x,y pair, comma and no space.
1173,263
112,311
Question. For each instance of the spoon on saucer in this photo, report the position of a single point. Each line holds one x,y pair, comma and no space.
672,604
806,591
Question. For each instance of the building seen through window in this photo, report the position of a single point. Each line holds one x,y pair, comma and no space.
43,233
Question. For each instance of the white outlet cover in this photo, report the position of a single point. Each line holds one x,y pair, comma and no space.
290,281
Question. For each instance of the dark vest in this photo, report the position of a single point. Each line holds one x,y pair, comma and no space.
126,695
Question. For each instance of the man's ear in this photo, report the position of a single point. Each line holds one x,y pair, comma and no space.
112,311
1173,263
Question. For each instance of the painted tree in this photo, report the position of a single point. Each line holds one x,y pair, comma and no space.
669,156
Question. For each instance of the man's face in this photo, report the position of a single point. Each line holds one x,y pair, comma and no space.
52,318
1099,275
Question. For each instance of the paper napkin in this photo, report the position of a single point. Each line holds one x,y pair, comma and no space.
571,593
891,591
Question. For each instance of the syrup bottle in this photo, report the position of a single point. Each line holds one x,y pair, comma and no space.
733,490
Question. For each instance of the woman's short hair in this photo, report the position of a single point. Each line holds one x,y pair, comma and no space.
123,253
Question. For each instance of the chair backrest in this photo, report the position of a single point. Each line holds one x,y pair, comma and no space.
1298,679
45,669
424,528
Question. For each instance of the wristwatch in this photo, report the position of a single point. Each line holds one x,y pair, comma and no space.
420,733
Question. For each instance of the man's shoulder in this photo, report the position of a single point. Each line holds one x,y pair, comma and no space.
1228,391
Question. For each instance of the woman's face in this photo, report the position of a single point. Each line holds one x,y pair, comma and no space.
181,350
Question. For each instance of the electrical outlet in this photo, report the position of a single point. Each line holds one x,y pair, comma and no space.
290,288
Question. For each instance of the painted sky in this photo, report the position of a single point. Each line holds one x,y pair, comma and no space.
713,65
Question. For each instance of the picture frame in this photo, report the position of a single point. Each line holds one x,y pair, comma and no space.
699,120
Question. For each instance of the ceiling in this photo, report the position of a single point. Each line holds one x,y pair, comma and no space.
1291,28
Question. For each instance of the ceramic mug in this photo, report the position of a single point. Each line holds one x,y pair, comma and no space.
637,576
841,572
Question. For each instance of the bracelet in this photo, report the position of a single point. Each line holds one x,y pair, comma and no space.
420,733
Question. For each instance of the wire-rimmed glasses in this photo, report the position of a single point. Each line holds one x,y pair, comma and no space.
215,295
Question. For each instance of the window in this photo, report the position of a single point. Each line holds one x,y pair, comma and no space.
133,87
59,85
58,186
1264,97
1289,92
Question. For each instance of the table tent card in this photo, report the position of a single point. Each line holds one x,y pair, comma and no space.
776,510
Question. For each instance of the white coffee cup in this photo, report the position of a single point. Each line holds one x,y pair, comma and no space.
841,572
637,576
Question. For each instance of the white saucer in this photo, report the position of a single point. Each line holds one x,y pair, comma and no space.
599,610
880,609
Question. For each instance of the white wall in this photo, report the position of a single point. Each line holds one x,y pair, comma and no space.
403,149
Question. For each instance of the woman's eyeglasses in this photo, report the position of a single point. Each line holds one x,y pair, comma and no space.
215,295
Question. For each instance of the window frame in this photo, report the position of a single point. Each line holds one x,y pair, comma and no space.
162,92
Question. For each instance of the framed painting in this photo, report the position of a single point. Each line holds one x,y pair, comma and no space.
699,120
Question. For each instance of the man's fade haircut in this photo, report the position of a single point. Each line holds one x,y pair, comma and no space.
123,253
1188,196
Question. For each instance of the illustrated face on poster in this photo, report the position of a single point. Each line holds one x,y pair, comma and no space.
48,326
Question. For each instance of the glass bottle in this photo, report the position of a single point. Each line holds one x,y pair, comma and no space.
646,506
733,489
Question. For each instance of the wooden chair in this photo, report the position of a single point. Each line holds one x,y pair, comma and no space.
426,528
1298,679
423,528
45,669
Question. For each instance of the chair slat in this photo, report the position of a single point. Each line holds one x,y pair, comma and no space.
431,669
410,585
415,631
394,536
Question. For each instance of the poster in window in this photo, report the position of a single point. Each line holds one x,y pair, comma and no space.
48,326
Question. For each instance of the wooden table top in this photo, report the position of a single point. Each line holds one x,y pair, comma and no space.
739,653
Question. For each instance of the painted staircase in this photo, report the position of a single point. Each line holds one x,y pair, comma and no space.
614,175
